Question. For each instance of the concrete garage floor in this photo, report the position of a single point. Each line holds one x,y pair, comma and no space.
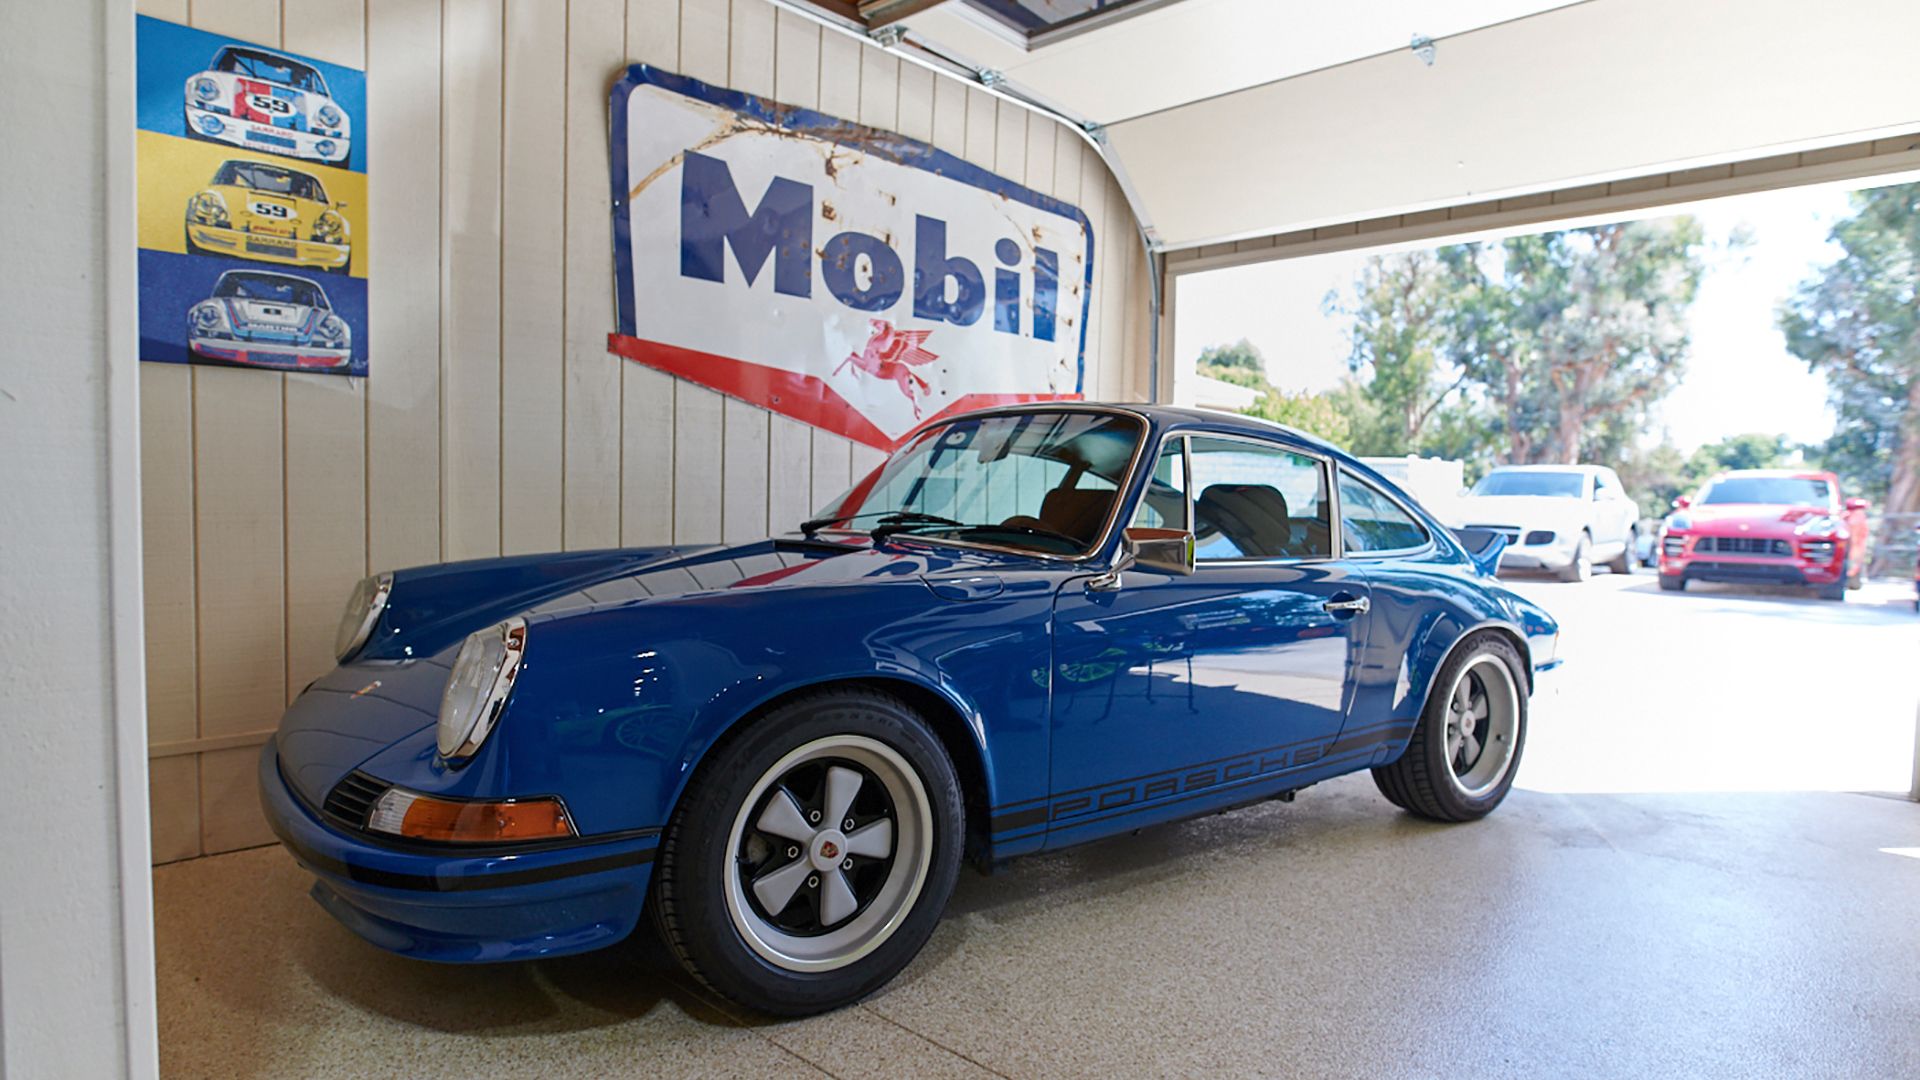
1677,888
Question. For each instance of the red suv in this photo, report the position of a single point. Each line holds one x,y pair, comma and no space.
1772,526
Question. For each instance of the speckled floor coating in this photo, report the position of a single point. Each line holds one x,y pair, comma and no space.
1719,934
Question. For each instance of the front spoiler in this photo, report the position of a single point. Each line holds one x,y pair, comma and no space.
458,907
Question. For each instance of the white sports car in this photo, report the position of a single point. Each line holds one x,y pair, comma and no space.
269,320
265,101
1558,518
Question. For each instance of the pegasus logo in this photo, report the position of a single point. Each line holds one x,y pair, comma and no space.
893,354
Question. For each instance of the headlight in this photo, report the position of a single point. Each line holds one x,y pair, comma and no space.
477,690
364,607
205,88
325,147
1823,525
209,208
328,116
207,315
1679,523
209,124
328,227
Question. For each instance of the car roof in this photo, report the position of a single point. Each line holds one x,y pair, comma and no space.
1790,474
1548,468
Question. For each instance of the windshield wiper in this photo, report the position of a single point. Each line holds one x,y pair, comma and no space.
888,528
903,520
887,517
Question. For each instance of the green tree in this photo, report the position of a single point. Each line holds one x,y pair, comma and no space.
1857,321
1572,336
1316,414
1750,451
1399,339
1242,355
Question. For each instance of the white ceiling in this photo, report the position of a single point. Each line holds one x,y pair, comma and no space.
1238,118
1197,49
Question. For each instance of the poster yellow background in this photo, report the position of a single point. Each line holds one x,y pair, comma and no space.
173,170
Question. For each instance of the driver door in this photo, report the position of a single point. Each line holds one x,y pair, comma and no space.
1175,692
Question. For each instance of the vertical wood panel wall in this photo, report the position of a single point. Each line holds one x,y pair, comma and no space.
494,421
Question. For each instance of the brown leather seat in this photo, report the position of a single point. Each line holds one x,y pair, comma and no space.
1253,516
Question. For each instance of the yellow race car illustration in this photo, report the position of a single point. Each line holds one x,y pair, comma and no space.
252,210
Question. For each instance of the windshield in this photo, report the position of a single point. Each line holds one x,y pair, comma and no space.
1773,490
269,179
1044,481
284,290
270,68
1556,485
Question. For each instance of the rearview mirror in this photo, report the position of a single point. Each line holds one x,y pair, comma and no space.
1857,504
1682,502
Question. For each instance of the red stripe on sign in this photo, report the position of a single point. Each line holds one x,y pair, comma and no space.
806,398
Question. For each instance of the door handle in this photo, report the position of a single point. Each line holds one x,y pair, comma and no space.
1358,605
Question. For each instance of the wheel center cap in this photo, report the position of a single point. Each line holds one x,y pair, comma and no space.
829,846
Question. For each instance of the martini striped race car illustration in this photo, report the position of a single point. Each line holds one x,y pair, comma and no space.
265,101
253,210
1031,627
269,320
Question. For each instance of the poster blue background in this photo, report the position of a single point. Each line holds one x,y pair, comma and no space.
170,54
171,284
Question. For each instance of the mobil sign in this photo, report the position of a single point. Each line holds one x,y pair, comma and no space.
850,278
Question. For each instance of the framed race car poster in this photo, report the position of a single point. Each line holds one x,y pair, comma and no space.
252,188
851,278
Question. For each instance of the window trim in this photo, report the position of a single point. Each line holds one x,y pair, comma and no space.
1120,500
1326,462
1426,530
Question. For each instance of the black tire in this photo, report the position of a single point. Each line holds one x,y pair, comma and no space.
1422,781
1581,568
691,883
1623,563
1672,583
1835,591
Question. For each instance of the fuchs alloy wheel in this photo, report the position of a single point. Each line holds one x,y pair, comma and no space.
1461,761
812,854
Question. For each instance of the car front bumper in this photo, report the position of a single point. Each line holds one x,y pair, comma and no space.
1555,555
311,145
287,251
455,907
269,354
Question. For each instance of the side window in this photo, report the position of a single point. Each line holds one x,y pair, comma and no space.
1164,505
1258,502
1369,521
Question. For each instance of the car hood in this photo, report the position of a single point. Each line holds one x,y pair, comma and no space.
434,608
1518,510
1750,519
373,707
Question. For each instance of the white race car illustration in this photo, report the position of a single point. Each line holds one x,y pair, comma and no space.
270,320
265,101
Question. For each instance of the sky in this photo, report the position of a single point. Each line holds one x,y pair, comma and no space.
1739,377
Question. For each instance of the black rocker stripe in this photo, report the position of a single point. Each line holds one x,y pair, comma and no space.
1033,812
396,879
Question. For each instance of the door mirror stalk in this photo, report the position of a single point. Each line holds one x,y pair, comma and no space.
1169,551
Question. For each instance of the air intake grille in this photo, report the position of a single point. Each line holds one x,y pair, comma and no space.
1742,545
351,799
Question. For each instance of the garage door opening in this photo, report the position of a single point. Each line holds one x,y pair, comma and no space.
1658,353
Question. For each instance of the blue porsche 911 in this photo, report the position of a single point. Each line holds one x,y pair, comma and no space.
1031,627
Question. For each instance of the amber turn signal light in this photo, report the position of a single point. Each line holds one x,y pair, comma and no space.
422,817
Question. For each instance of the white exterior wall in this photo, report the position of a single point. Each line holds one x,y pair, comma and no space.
76,946
494,420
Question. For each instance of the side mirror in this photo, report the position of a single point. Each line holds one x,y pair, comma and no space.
1683,502
1857,504
1169,551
